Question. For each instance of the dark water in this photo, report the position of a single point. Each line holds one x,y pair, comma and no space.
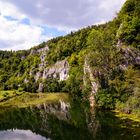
76,124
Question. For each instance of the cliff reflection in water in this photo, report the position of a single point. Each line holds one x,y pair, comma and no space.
61,122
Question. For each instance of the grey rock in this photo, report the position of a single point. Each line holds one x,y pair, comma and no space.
45,49
26,80
41,86
60,68
91,75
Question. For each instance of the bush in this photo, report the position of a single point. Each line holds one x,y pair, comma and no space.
20,89
5,94
105,99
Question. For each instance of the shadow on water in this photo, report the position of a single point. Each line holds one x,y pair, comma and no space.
78,125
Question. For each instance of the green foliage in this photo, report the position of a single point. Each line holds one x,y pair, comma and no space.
129,31
105,99
5,94
75,81
25,100
51,85
131,100
63,47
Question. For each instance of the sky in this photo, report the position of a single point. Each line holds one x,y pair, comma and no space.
26,23
20,135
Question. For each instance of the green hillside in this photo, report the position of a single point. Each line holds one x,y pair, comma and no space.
99,64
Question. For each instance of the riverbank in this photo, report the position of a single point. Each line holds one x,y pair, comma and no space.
24,99
123,116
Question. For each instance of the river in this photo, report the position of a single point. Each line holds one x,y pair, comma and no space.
35,123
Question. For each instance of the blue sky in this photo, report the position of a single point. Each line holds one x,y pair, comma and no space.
26,23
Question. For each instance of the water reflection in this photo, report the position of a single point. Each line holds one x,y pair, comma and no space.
20,135
73,124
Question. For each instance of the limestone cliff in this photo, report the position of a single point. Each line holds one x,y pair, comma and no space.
59,70
94,83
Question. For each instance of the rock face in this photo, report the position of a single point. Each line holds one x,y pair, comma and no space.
58,70
26,80
94,83
131,56
45,49
43,55
64,106
60,110
41,86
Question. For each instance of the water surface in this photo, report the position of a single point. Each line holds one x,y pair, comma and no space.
75,124
20,135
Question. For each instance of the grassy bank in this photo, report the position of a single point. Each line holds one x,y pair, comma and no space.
5,95
22,99
123,116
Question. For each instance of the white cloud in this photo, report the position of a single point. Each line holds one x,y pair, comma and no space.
15,36
8,9
63,15
20,135
110,7
72,14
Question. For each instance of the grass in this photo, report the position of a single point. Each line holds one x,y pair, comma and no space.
124,116
5,95
32,99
